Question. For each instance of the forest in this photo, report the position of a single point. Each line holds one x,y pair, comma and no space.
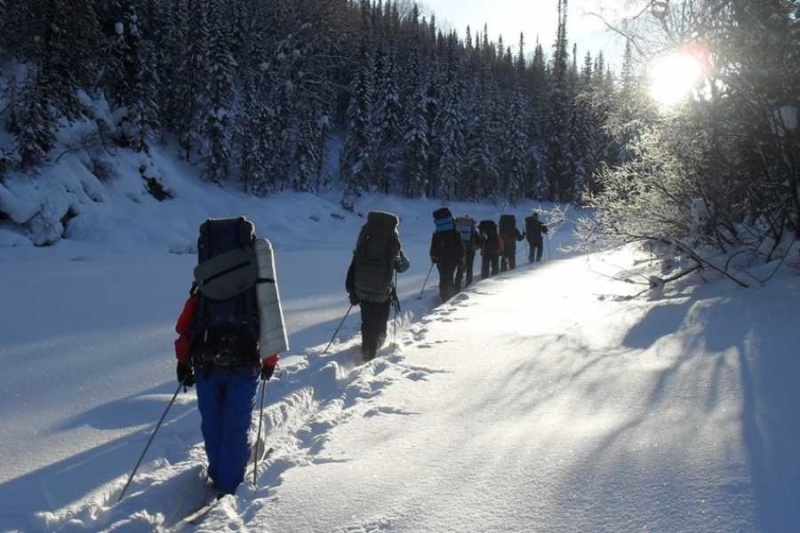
260,95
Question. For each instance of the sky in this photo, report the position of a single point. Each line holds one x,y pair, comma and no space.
535,18
541,400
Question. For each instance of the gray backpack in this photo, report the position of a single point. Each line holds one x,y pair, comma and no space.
376,250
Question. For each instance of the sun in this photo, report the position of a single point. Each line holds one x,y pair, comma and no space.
674,77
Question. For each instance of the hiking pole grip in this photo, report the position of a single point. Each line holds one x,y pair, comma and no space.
337,329
149,442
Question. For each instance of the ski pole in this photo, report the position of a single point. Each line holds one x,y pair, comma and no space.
426,281
260,420
135,468
337,329
395,304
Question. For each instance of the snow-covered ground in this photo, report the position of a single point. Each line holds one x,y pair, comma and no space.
538,400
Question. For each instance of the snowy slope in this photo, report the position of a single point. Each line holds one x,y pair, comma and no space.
540,400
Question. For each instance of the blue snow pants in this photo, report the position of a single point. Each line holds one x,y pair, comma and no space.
226,398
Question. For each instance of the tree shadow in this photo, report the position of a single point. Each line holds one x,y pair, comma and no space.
24,499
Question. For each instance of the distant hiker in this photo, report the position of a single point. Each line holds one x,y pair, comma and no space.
447,252
230,334
533,233
472,241
378,254
491,247
510,235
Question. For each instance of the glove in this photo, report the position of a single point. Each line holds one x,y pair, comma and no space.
266,372
353,299
185,374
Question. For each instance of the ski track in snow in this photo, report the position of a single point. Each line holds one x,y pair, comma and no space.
318,393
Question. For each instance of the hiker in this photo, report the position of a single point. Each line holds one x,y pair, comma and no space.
447,252
378,254
491,248
510,235
472,241
533,233
230,334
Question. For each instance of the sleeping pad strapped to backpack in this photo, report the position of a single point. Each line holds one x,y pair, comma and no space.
225,332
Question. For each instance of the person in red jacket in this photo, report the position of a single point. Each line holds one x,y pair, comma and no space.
225,399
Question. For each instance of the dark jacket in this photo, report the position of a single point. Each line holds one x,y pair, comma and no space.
510,241
534,229
490,239
447,247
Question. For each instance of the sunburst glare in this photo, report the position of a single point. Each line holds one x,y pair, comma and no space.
674,77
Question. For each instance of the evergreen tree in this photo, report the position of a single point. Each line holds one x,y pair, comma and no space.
359,150
559,164
432,111
192,74
253,144
387,118
515,164
537,186
218,120
449,142
136,83
33,121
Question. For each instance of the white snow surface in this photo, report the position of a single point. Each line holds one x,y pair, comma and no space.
540,400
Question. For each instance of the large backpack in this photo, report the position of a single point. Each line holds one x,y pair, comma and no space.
508,224
465,225
491,240
376,249
533,228
443,219
225,331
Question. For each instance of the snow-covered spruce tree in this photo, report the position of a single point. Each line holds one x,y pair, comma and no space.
536,84
596,102
316,68
32,120
415,129
586,130
449,143
387,118
359,149
515,163
66,51
560,165
57,40
170,25
313,127
632,110
480,170
136,83
218,120
191,88
433,102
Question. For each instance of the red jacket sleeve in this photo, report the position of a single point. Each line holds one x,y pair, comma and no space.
272,360
184,329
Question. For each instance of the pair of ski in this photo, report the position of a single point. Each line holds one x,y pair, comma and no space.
196,515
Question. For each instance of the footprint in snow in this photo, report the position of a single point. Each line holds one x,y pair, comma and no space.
386,410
